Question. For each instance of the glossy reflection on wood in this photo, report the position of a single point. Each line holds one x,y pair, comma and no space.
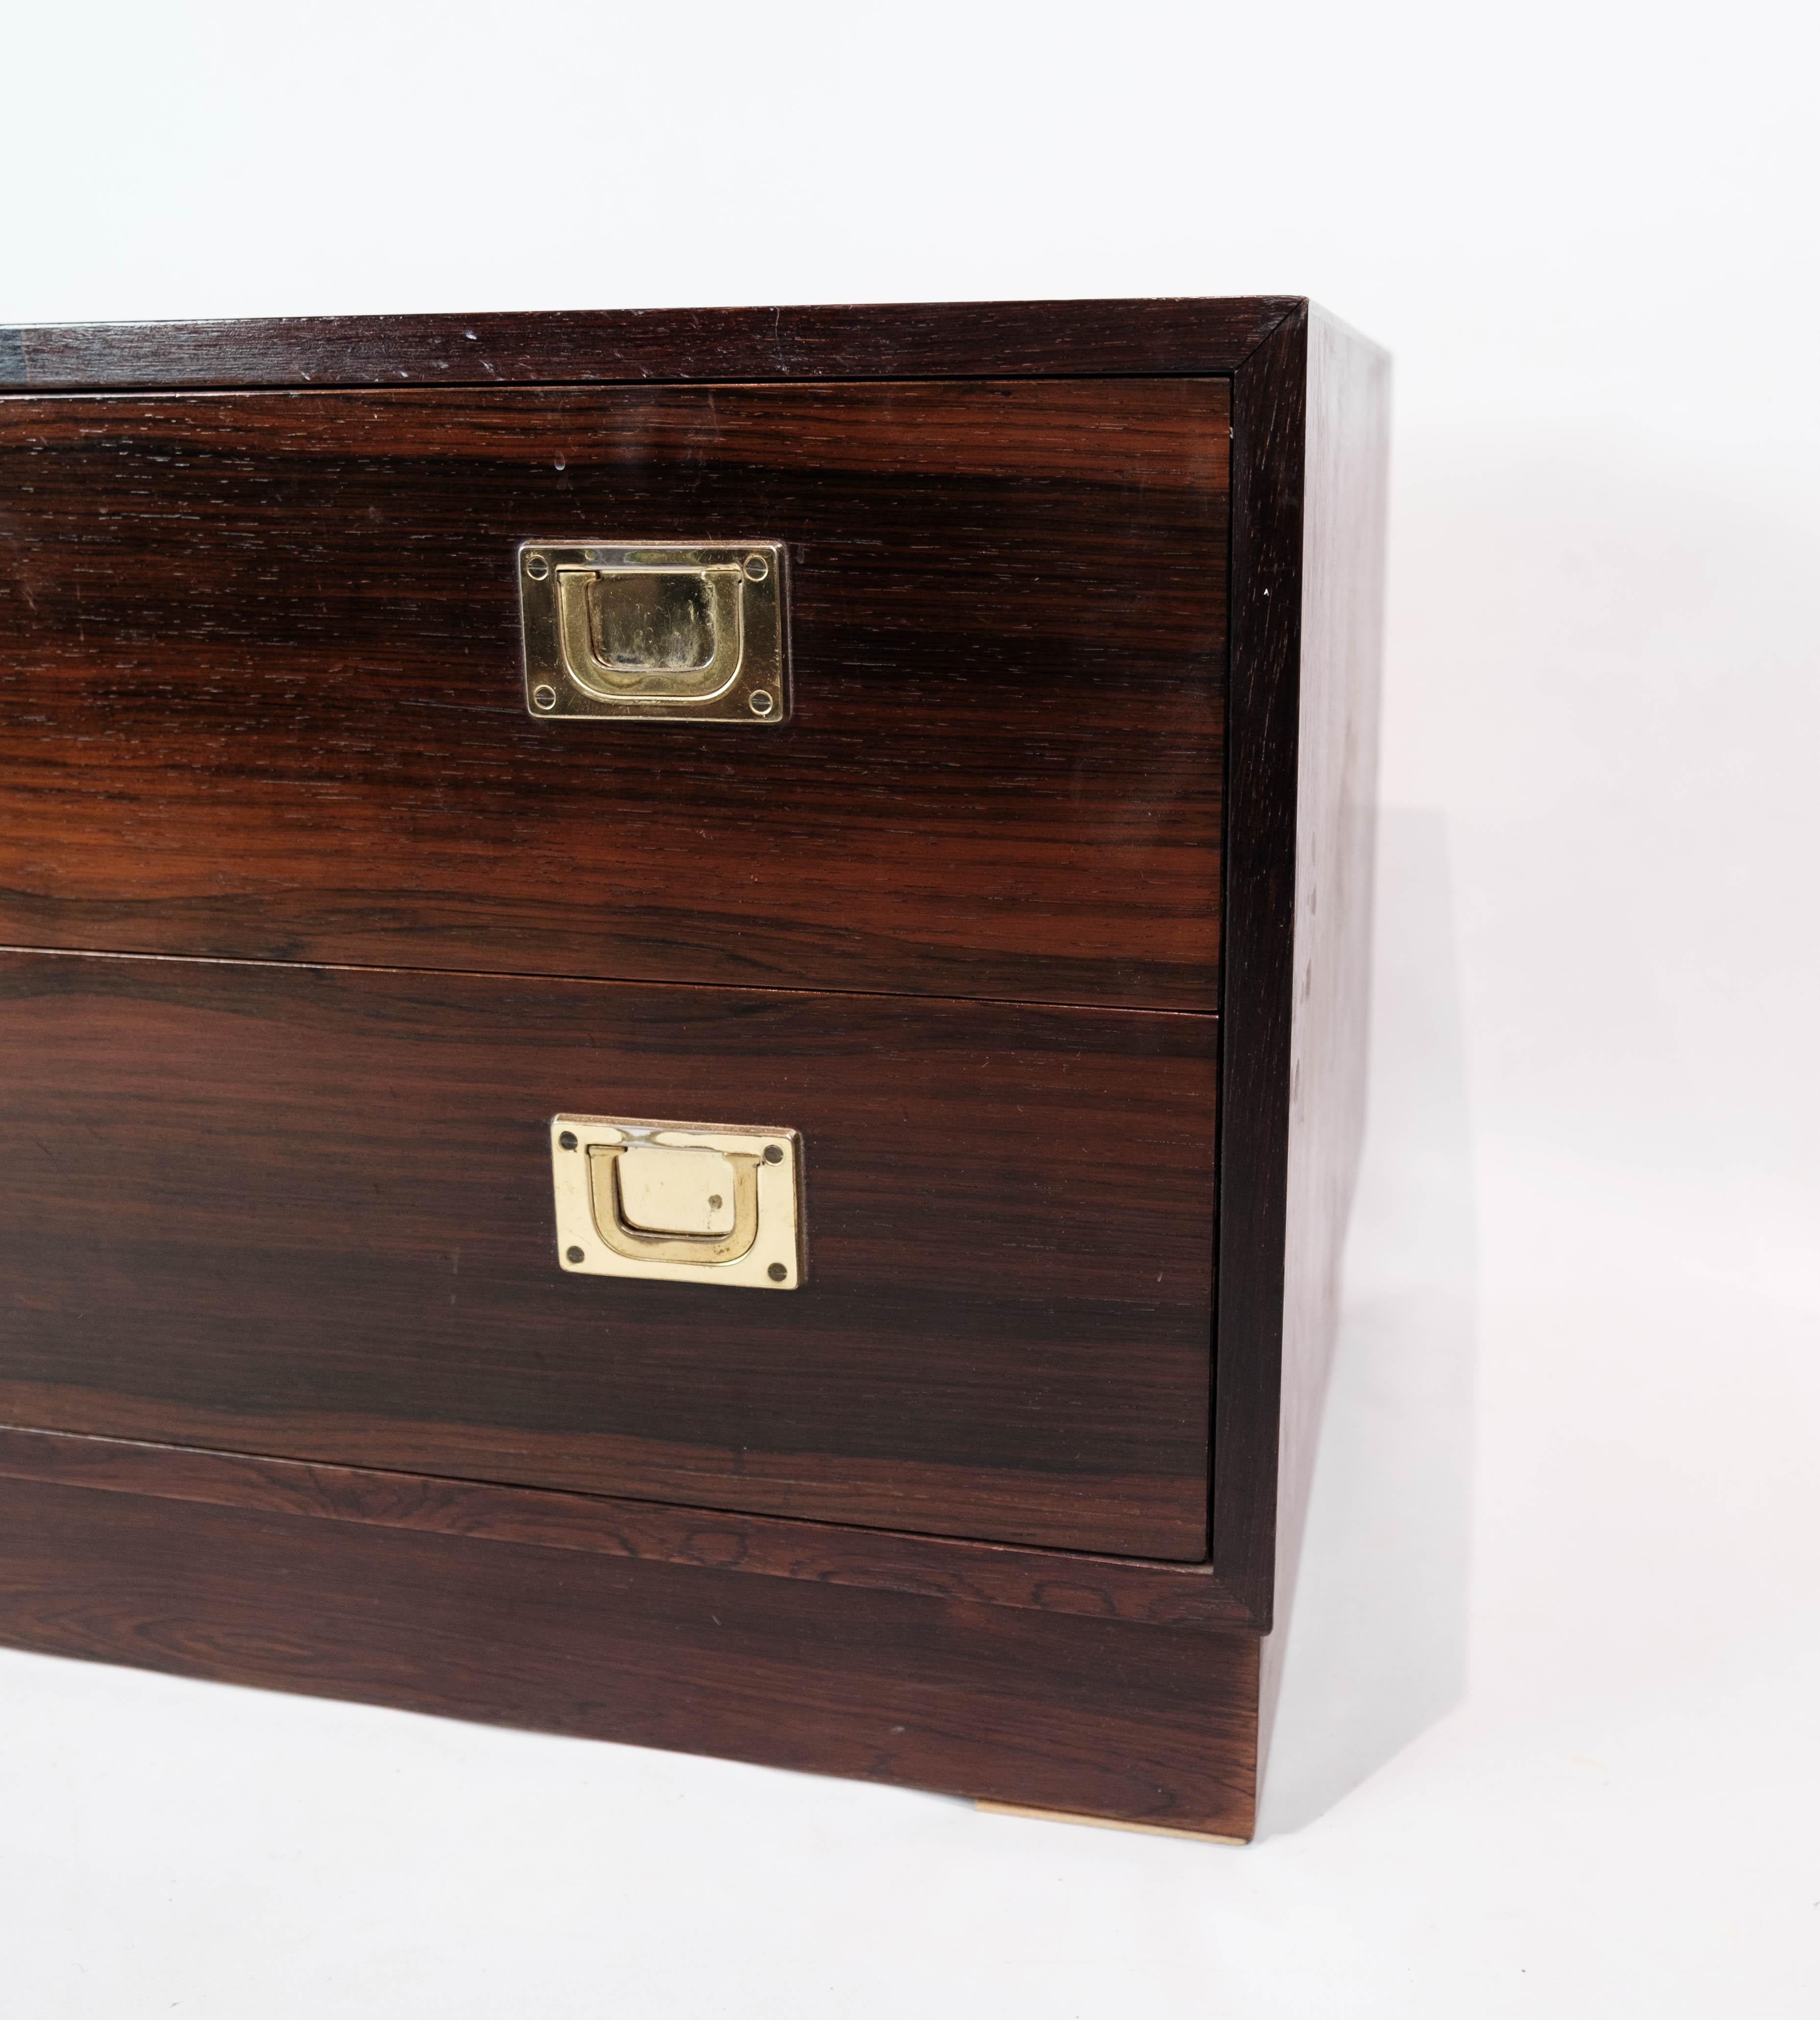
308,1212
1181,337
261,694
1072,819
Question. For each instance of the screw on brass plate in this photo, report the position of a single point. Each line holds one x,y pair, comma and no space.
761,703
544,697
773,1154
777,1272
568,1139
578,1256
757,568
536,567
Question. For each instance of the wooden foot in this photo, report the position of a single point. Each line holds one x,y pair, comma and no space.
1104,1823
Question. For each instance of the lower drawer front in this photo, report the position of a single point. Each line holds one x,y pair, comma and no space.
308,1212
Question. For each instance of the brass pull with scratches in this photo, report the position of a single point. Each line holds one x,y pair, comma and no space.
680,632
606,1195
679,1202
655,631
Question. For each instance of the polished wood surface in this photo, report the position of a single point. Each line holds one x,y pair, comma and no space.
1269,426
954,1567
1145,1723
276,1247
1340,662
307,1212
1310,419
261,694
1177,337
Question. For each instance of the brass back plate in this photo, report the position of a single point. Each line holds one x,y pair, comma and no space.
685,1202
659,631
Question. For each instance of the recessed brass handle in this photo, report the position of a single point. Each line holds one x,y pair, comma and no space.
643,1245
651,634
655,632
682,1202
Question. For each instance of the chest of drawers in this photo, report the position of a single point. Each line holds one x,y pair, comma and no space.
683,1018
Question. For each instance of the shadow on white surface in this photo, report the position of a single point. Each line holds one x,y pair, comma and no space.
1377,1630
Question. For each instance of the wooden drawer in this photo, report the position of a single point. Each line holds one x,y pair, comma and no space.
261,696
1039,921
307,1211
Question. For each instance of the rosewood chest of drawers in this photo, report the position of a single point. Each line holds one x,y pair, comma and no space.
681,1027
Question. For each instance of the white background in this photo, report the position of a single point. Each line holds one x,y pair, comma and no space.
1550,1743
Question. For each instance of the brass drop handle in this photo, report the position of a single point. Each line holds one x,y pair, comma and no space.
607,1199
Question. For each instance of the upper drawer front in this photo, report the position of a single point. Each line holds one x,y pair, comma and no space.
261,693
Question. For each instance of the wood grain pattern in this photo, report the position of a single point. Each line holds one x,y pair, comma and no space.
1269,425
307,1212
1012,1346
260,691
896,340
1310,423
1154,1724
1341,654
939,1567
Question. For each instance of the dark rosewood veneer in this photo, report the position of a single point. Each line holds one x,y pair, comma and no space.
1042,920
